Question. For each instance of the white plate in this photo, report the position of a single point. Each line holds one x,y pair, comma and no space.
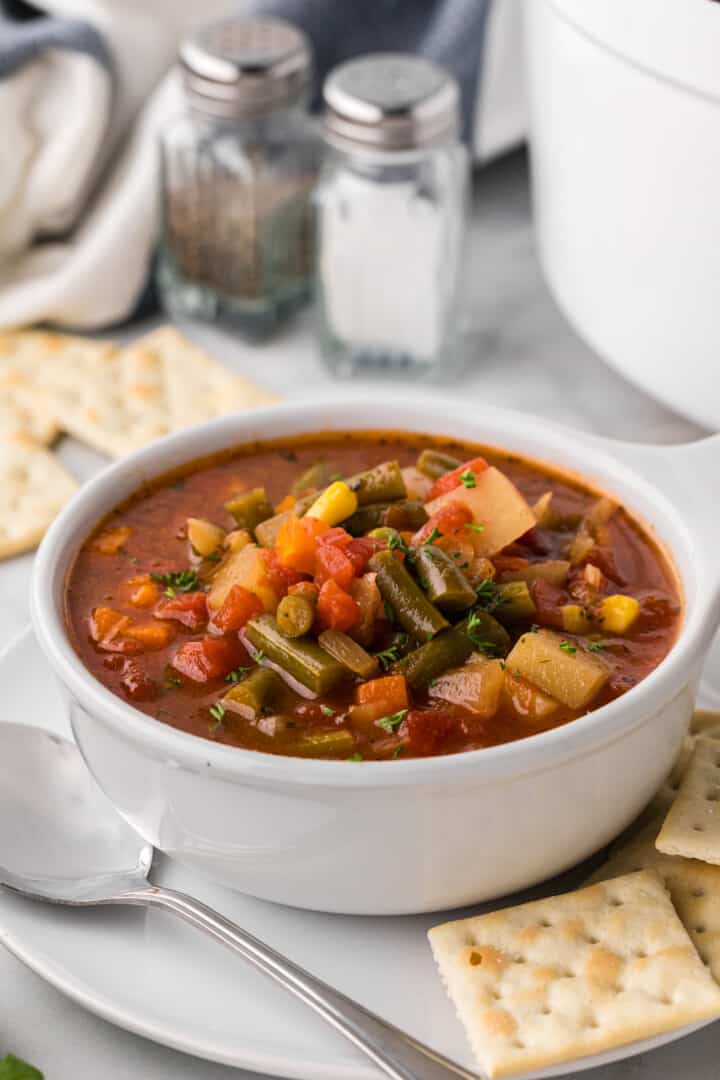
157,977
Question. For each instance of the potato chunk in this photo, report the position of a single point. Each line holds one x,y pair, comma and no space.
205,538
477,686
247,568
560,668
496,504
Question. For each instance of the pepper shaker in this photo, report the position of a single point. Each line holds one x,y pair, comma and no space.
391,206
238,171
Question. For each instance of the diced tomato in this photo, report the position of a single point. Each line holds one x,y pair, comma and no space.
451,480
332,564
296,544
425,730
389,692
449,518
509,562
136,683
190,609
336,536
238,606
336,609
360,551
548,600
210,658
280,577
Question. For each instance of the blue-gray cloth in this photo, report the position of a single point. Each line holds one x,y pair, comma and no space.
450,32
26,33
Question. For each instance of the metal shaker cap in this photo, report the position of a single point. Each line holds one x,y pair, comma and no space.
391,101
237,67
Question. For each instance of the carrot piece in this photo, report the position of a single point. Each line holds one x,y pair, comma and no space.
296,544
285,504
106,624
453,479
336,609
150,636
112,540
390,692
145,592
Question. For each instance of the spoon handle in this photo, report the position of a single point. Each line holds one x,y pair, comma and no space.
398,1055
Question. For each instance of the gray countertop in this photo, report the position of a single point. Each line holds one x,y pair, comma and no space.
523,354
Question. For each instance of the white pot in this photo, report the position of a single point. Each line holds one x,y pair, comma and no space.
398,836
625,113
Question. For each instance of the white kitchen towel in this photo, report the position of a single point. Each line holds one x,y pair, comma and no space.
78,161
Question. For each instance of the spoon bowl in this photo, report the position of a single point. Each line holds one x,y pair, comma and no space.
62,841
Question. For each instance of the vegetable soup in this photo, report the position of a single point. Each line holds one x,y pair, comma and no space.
369,596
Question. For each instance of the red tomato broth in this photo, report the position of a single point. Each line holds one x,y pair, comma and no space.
157,544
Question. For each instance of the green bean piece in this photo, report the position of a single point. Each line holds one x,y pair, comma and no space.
295,615
250,509
384,483
486,633
443,580
410,515
514,602
447,650
300,658
414,611
435,464
323,744
256,691
266,533
348,653
315,478
366,518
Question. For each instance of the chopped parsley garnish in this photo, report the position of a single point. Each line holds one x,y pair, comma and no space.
596,646
217,712
474,526
259,656
396,543
503,665
355,757
392,723
534,629
568,648
467,479
474,626
397,751
178,581
237,674
214,556
433,682
388,656
326,710
432,537
489,596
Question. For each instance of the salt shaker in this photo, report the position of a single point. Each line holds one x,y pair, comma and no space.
391,205
238,170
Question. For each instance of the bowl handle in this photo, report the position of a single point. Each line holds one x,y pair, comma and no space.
687,474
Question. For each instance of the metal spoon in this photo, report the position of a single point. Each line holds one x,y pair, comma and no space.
62,841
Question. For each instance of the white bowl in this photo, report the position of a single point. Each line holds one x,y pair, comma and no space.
400,836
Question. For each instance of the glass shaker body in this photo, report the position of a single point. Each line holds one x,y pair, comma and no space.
236,243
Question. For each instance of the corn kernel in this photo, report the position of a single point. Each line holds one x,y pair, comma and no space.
618,613
335,504
575,621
